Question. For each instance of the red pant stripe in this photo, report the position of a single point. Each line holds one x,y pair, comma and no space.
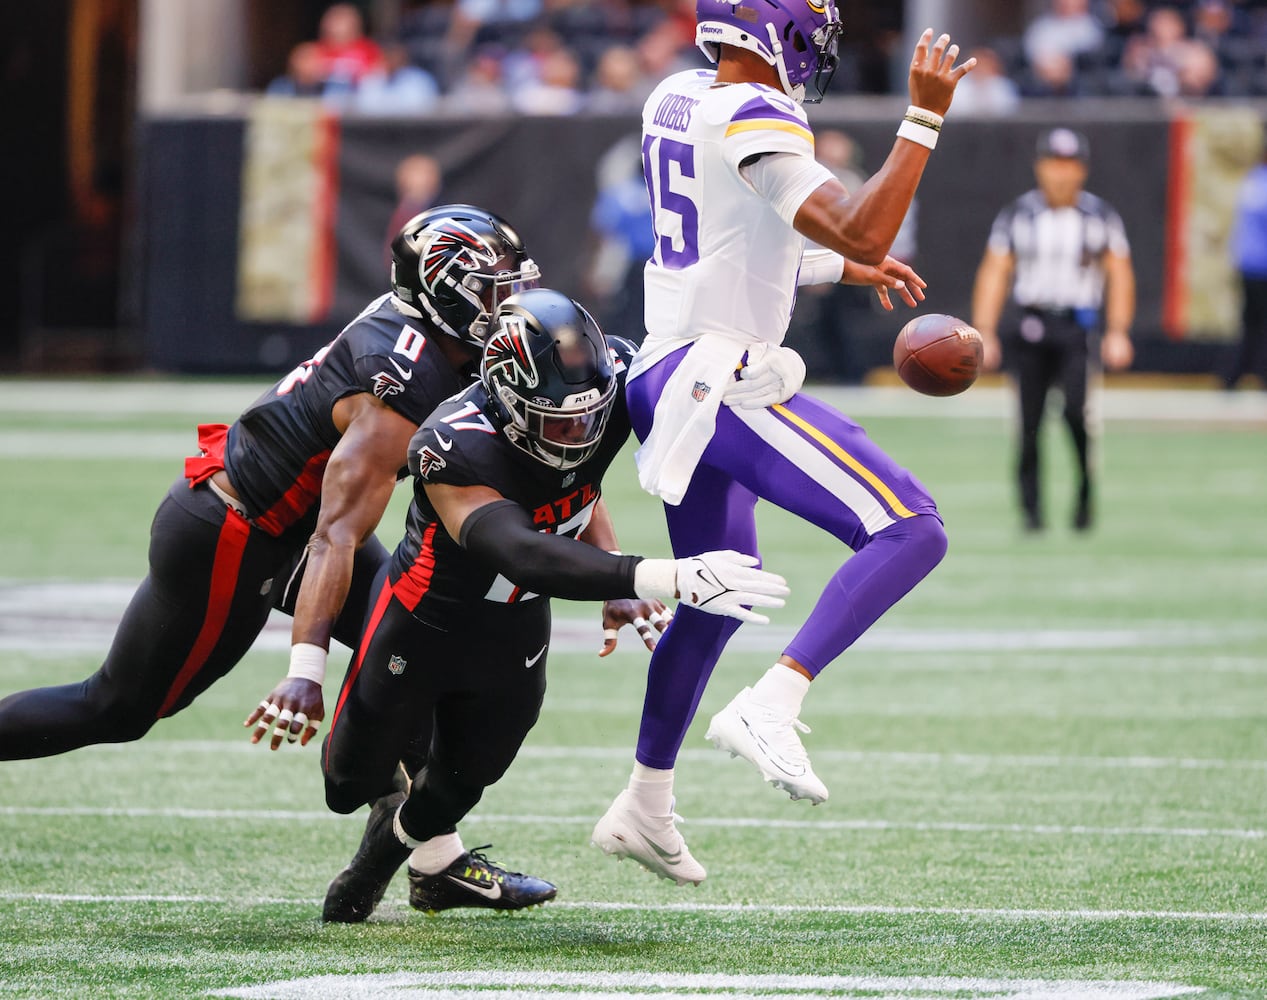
224,581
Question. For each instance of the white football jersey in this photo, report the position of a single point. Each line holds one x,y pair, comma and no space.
725,262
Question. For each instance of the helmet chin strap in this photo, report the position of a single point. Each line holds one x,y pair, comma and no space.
797,93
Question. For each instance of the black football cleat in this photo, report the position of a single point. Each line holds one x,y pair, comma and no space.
357,889
473,880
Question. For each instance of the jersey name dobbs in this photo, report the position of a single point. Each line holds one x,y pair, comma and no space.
674,112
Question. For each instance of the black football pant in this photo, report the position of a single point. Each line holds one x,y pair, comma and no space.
454,705
1251,351
213,579
1061,356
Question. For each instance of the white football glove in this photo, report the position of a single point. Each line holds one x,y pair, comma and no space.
774,377
721,583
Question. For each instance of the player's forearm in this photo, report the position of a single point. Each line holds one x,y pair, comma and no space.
864,225
502,536
327,579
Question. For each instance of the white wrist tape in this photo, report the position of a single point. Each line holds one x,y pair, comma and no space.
308,661
922,126
656,579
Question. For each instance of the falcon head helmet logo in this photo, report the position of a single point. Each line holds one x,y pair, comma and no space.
507,358
446,250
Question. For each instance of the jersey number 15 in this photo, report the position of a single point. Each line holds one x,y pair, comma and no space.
660,157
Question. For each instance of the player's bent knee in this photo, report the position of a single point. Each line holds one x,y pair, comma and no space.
928,537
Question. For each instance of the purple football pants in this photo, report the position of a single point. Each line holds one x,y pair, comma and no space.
815,462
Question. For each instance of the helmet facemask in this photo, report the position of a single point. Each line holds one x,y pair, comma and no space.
549,372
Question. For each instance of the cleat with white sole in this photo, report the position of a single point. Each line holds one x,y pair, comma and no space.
767,739
652,841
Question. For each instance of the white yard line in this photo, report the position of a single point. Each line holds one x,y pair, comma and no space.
904,758
223,399
974,912
719,822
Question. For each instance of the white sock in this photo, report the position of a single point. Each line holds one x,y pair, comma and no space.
652,789
782,688
435,855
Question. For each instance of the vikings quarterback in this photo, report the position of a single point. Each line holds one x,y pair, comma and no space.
713,395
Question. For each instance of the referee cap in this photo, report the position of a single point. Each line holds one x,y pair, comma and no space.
1065,144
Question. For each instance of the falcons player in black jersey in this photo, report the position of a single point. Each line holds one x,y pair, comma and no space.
279,509
450,673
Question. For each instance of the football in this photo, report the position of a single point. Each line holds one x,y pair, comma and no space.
938,355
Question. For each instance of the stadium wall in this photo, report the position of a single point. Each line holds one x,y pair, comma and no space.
257,241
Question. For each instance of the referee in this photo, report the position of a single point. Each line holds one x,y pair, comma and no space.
1062,255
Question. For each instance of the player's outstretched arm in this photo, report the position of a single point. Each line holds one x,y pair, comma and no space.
501,534
355,490
862,226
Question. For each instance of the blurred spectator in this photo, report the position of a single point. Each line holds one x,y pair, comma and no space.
418,180
1152,59
397,87
1068,29
986,90
1249,250
524,64
480,90
1051,74
1124,19
341,40
617,83
623,239
555,91
663,52
1197,73
470,16
305,76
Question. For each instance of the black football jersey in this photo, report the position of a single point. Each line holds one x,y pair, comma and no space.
460,445
277,450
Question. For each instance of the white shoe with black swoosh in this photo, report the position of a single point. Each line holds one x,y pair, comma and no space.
767,739
652,841
473,880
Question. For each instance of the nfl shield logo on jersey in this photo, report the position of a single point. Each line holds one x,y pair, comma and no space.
396,665
701,391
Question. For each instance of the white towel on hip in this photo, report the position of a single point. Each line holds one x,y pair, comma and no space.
686,416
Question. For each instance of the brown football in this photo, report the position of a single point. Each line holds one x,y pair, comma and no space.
938,355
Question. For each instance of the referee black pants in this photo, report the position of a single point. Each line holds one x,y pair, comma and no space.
1051,349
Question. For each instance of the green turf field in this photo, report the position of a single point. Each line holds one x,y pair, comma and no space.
1048,766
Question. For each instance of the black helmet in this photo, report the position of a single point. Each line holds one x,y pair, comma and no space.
453,264
549,376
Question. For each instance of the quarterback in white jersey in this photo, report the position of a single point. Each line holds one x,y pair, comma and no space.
714,396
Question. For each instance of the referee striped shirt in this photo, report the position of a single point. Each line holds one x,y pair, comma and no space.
1059,252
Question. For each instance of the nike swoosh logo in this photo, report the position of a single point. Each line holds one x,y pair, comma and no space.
772,756
405,373
530,663
493,891
443,441
668,857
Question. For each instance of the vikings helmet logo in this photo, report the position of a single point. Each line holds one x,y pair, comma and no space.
447,247
506,355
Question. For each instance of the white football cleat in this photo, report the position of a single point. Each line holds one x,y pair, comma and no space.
767,739
652,841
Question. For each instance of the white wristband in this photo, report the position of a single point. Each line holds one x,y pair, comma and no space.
922,126
656,578
308,661
922,134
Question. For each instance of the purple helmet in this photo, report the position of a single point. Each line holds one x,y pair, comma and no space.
796,37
